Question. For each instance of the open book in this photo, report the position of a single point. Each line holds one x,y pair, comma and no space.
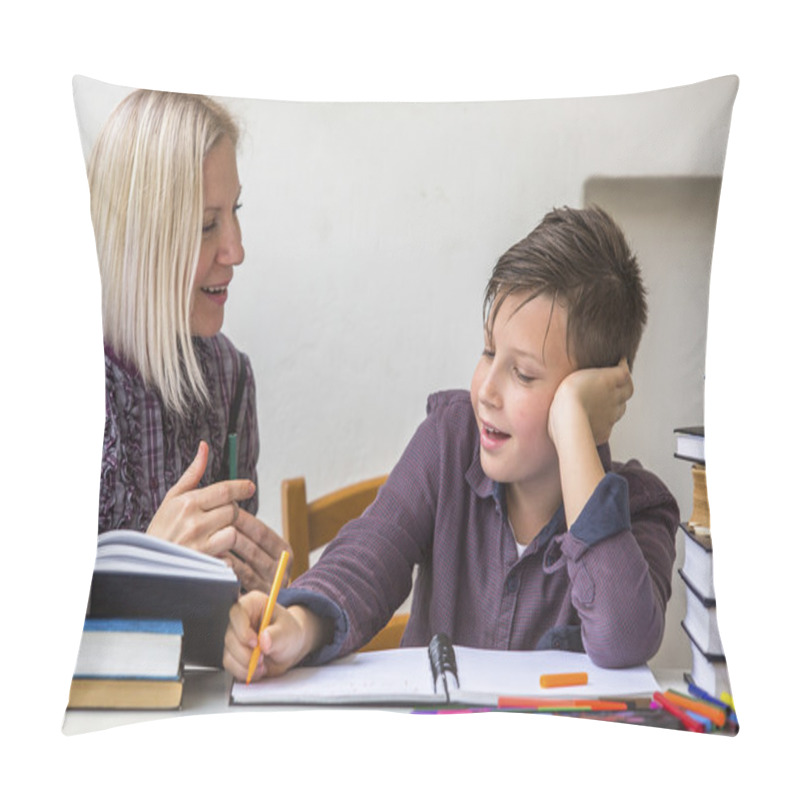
143,577
418,676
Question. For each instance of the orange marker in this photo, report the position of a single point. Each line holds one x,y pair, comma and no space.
563,679
268,609
690,724
553,702
716,715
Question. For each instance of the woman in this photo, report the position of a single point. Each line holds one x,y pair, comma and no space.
180,399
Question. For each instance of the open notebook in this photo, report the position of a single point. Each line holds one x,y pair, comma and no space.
410,676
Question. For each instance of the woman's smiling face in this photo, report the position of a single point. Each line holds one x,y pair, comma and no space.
221,247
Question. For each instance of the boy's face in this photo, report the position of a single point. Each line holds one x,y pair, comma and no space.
522,365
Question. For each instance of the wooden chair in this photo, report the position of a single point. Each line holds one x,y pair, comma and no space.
308,526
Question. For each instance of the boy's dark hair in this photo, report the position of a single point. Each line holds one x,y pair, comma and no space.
579,257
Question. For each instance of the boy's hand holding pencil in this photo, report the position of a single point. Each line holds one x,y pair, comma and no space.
265,639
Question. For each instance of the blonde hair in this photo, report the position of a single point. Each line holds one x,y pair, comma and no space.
146,186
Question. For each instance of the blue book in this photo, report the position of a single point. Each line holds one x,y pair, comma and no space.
130,649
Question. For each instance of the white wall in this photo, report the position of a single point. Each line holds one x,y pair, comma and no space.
370,230
670,223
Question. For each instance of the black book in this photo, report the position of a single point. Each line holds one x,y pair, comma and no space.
709,670
690,443
700,621
698,562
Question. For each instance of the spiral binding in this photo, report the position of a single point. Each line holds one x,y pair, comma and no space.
442,656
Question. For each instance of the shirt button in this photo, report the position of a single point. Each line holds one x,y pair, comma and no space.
512,584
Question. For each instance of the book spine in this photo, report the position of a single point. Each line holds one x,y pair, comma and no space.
167,627
701,517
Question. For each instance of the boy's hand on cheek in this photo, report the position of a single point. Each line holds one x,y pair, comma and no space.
598,396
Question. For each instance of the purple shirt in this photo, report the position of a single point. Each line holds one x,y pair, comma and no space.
601,587
147,448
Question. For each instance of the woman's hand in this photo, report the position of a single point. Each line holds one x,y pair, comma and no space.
203,519
255,552
291,635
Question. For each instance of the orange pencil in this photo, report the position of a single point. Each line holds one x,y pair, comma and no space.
268,609
563,679
716,715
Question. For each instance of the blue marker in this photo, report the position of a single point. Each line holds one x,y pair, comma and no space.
703,695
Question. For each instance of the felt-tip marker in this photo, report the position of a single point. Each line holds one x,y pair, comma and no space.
563,679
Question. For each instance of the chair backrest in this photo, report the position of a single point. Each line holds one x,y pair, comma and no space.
308,526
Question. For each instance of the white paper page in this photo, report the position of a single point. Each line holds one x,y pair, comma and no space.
401,675
493,673
150,544
132,654
134,552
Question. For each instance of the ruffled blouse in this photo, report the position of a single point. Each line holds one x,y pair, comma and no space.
146,447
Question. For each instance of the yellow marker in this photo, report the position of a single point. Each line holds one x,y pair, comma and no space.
563,679
268,609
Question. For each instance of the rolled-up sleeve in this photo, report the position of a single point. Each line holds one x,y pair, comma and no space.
325,609
619,555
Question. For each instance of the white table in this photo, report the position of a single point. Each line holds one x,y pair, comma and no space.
206,692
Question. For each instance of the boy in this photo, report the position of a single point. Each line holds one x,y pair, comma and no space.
527,536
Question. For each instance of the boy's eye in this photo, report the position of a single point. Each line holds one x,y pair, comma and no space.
487,353
523,378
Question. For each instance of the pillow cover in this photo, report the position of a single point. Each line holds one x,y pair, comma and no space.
370,230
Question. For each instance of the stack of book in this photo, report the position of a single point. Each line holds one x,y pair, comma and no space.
154,606
709,668
128,663
142,577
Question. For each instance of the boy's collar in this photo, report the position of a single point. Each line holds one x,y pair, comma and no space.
479,481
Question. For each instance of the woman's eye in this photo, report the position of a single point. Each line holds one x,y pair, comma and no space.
488,353
209,226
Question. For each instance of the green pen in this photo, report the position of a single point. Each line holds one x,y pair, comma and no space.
232,467
232,456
